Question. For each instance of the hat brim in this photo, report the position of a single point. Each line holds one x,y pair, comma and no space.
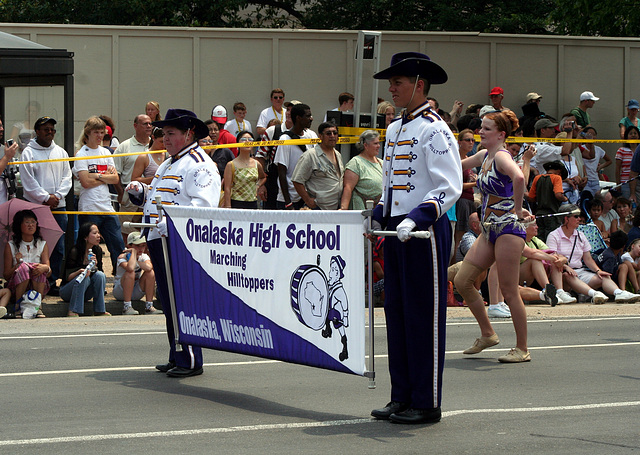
412,67
563,170
185,122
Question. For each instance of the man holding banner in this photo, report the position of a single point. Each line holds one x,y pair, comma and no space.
188,178
422,180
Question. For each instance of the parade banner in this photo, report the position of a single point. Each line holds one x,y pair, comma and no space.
285,285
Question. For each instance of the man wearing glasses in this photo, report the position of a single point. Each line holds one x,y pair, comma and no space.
138,143
47,183
317,177
275,111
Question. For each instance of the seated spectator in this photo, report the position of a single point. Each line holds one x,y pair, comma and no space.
378,269
5,298
26,258
363,174
634,232
544,266
609,216
147,163
595,210
622,267
547,193
135,277
623,209
242,177
569,242
85,277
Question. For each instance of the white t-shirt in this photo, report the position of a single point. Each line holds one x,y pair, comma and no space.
270,113
97,199
627,257
234,127
592,165
288,155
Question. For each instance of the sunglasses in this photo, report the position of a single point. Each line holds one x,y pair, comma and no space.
331,133
278,97
469,139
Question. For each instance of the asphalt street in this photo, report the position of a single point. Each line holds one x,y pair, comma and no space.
88,386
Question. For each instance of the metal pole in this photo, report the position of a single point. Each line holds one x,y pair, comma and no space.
167,265
372,371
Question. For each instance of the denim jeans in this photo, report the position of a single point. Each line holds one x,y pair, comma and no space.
77,293
109,227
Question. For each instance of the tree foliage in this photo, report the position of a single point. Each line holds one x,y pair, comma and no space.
581,17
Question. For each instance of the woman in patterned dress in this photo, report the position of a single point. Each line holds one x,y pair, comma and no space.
242,177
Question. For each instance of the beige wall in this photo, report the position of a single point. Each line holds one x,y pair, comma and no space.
118,69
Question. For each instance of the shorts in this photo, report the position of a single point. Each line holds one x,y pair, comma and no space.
511,228
585,274
137,294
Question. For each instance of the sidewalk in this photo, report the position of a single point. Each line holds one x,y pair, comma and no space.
56,307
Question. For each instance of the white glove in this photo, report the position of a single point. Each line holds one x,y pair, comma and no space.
163,230
404,228
134,188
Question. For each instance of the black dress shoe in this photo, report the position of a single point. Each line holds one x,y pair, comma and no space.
390,408
179,372
165,367
415,416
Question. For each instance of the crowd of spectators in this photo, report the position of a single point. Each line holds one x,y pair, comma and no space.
308,176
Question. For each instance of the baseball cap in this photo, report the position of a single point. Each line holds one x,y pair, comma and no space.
43,120
486,109
219,114
496,91
633,104
291,103
136,238
588,96
545,123
533,96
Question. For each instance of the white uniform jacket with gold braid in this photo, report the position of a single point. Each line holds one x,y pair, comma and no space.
422,173
189,178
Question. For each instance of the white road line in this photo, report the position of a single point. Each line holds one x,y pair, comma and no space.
81,335
295,425
378,326
261,362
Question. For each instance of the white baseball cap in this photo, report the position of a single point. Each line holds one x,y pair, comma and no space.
219,114
588,96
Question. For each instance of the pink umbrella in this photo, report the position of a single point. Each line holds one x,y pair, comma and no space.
49,229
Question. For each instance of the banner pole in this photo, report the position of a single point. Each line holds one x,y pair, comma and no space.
372,372
167,265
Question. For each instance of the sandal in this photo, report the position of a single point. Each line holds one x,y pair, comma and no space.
106,313
71,314
40,314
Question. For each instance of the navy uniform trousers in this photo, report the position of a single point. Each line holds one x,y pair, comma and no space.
415,286
190,356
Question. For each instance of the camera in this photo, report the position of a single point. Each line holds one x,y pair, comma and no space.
10,142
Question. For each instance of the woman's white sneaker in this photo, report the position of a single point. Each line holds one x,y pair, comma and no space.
626,297
599,298
565,297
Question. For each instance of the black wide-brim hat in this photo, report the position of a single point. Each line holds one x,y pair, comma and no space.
558,166
412,64
184,120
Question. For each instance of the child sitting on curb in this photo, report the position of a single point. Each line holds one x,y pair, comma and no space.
135,277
